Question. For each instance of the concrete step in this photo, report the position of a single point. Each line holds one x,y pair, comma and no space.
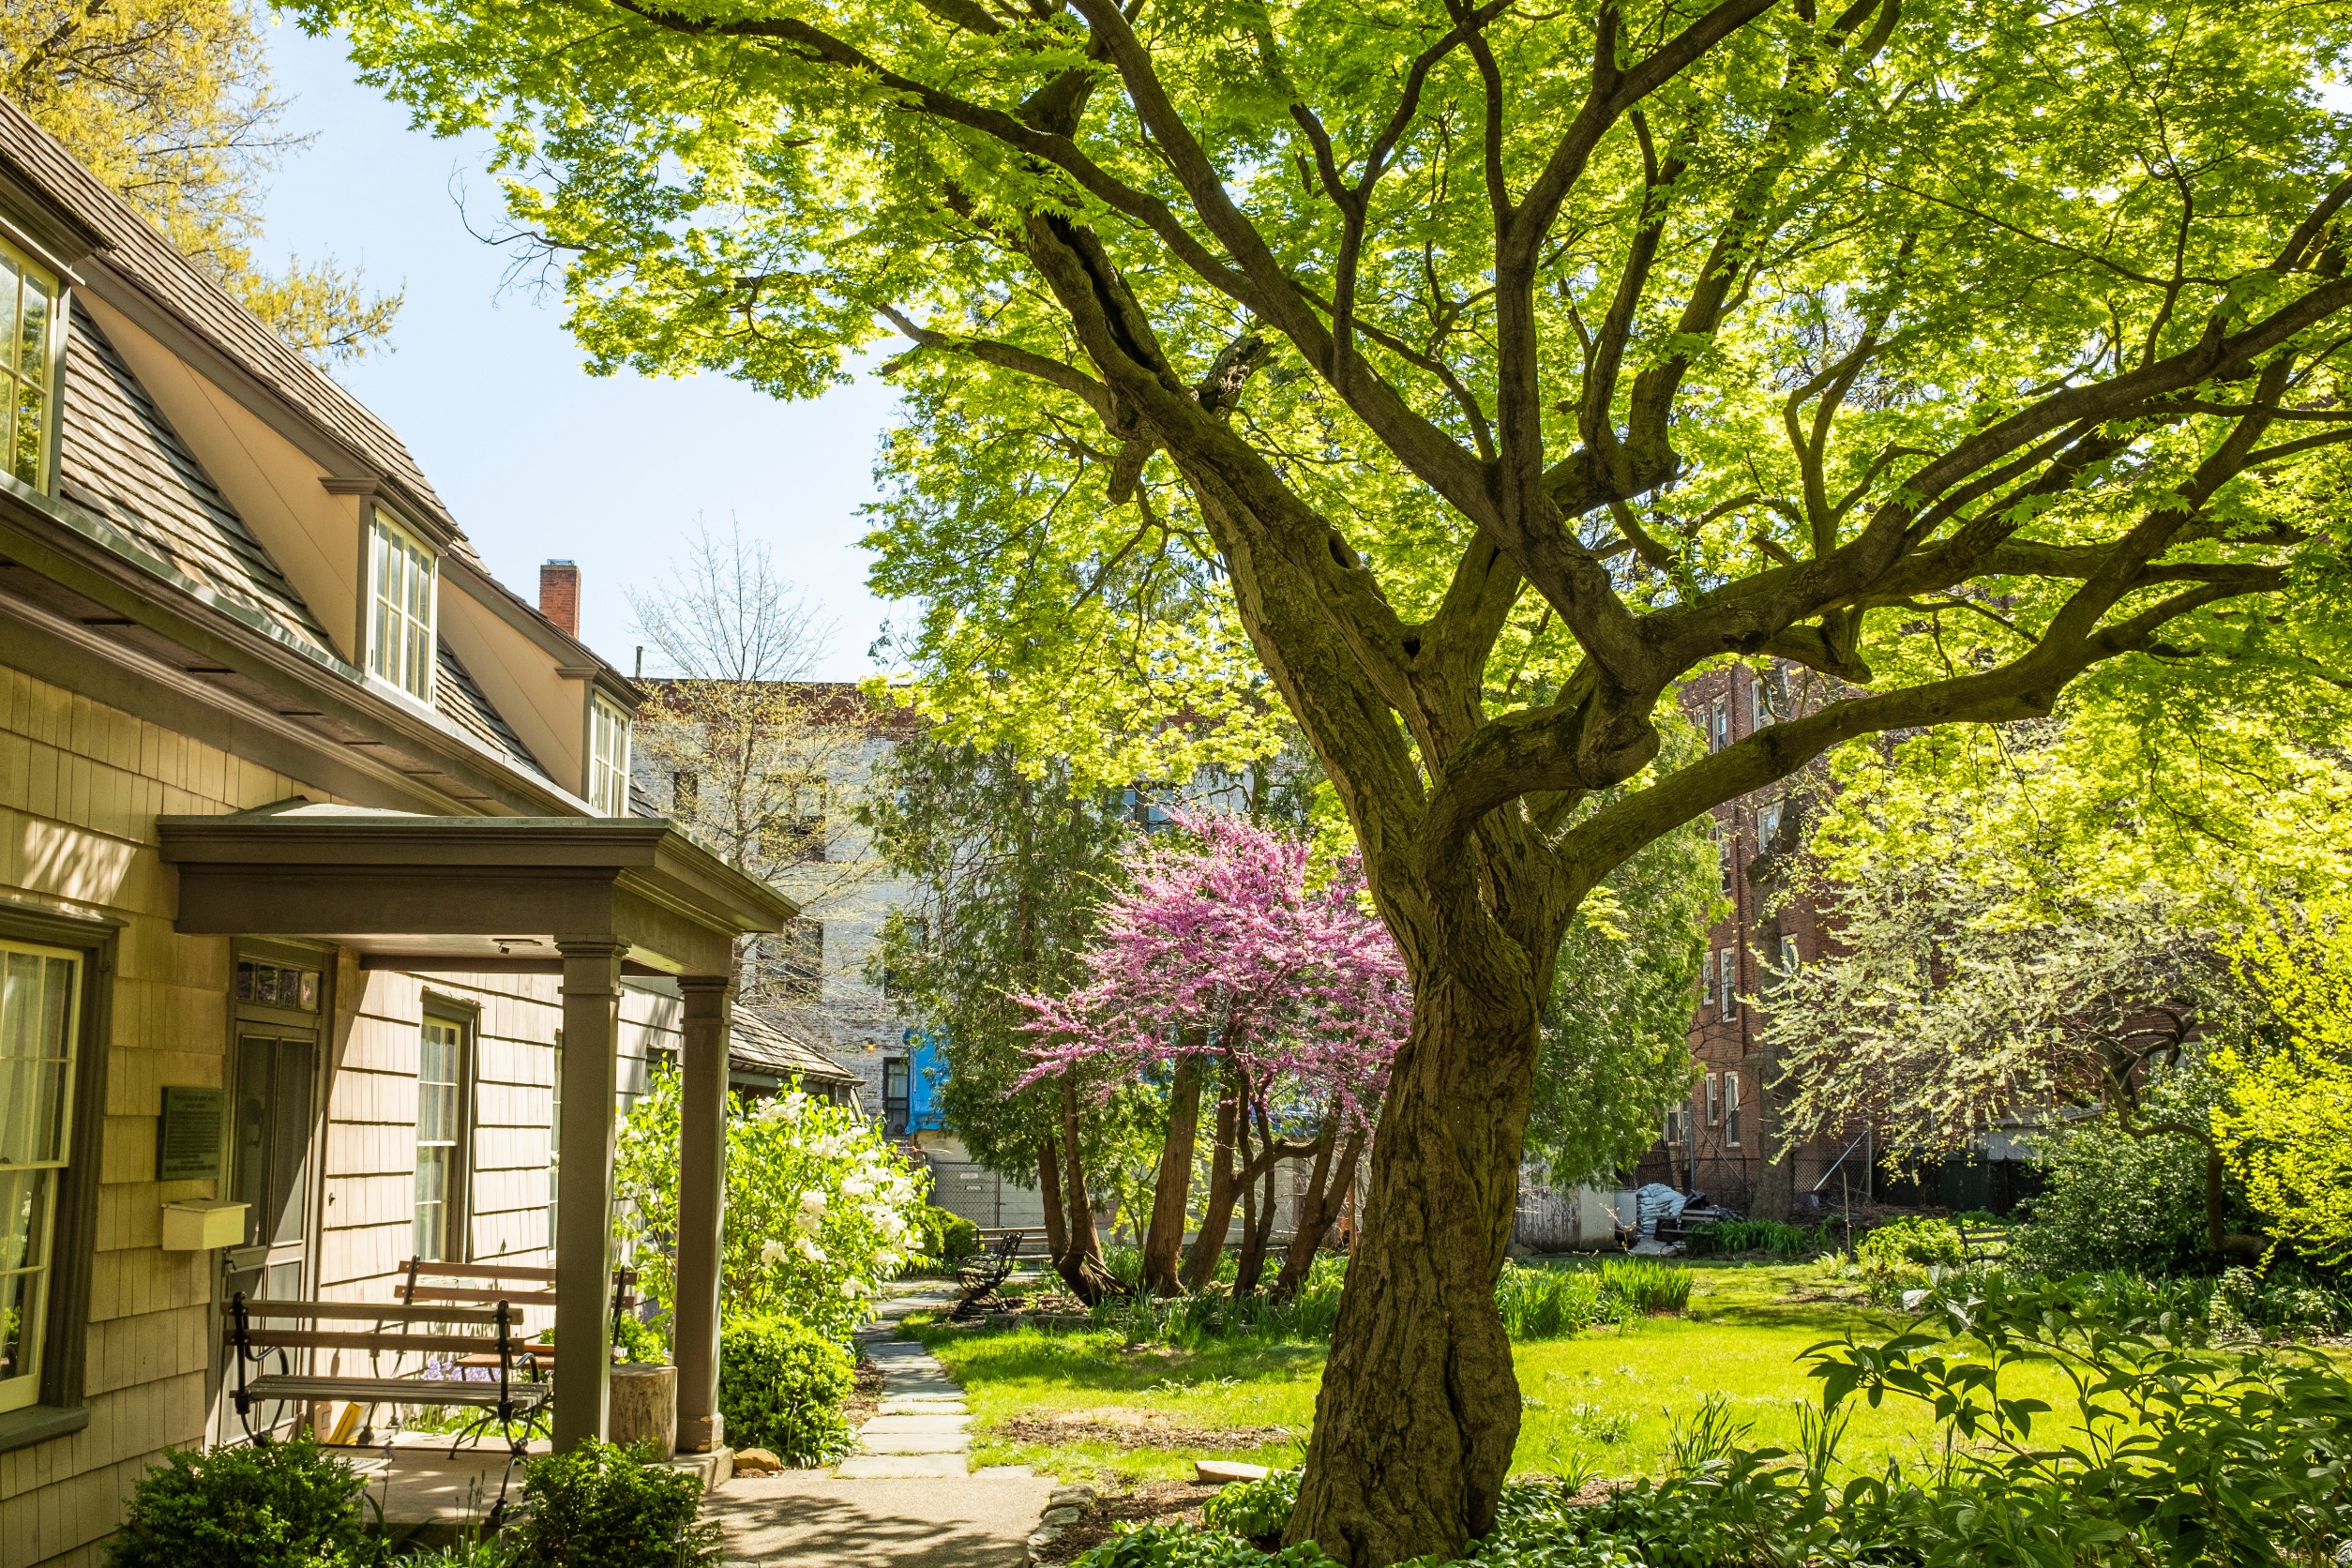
894,1424
915,1443
894,1467
925,1405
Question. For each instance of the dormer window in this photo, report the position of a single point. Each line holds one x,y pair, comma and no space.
28,367
399,607
608,758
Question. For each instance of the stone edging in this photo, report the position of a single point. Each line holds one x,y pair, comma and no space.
1064,1507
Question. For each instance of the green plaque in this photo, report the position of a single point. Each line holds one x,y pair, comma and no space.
188,1146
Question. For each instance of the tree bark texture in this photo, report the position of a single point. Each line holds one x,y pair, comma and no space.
1049,1197
1208,1246
1329,1186
1260,1173
1419,1409
1163,1241
1081,1264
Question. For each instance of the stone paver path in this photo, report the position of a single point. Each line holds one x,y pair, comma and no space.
922,1428
864,1515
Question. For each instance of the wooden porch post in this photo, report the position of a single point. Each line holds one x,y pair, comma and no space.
584,1189
701,1209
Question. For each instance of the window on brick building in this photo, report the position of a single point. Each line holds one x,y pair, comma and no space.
1731,1109
1729,990
1714,1099
1719,728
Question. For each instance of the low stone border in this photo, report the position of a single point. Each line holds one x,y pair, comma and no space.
1064,1507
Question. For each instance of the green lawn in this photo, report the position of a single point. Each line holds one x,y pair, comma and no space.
1608,1399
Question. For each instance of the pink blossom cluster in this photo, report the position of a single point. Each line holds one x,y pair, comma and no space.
1217,947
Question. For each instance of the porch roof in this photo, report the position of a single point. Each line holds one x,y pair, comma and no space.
485,894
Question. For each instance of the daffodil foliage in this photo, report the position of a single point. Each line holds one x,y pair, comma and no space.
1490,367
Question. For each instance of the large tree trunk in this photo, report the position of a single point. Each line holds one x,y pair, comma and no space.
1328,1190
1164,1244
1050,1195
1208,1246
1257,1203
1775,1195
1080,1262
1419,1409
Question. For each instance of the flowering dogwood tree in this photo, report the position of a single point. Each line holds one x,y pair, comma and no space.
820,1208
1218,961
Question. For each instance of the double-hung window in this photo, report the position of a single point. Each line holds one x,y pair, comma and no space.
442,1082
1719,732
39,991
1714,1099
399,607
608,758
1731,1109
1729,958
30,344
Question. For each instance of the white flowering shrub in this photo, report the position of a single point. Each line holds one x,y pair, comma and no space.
820,1209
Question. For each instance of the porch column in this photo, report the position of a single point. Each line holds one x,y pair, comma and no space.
701,1209
583,1186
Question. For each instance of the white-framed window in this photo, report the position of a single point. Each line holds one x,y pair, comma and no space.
443,1080
31,344
1760,701
1768,817
1714,1099
1790,958
1678,1125
1731,1109
1719,729
40,991
1728,989
401,603
608,758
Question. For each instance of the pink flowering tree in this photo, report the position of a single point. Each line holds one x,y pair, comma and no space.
1218,965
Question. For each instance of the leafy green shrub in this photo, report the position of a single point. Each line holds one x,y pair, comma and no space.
780,1387
605,1506
263,1506
2114,1202
948,1239
1257,1510
1898,1255
1646,1286
1183,1547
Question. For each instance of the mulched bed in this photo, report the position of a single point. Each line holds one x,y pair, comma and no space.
1127,1428
864,1396
1136,1503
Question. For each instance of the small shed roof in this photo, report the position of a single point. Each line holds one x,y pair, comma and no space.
761,1045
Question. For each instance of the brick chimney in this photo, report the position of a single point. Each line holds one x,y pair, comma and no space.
559,595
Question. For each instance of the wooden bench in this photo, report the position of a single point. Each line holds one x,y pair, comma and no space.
1981,1244
470,1284
978,1277
1027,1244
513,1398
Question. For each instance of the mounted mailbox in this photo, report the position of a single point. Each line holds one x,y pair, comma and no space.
200,1225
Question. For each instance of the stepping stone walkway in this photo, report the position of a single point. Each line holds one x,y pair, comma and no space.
923,1428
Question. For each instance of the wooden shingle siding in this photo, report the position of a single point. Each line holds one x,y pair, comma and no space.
80,784
121,459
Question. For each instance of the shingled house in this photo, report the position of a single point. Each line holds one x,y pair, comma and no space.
319,889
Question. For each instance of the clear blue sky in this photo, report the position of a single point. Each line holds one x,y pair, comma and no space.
534,457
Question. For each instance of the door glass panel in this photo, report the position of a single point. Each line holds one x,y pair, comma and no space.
290,1152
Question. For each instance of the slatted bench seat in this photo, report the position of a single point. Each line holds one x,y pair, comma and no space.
519,1286
511,1399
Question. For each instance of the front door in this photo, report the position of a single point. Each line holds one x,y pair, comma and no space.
270,1164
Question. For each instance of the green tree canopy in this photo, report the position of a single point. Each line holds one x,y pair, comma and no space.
170,102
1492,368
